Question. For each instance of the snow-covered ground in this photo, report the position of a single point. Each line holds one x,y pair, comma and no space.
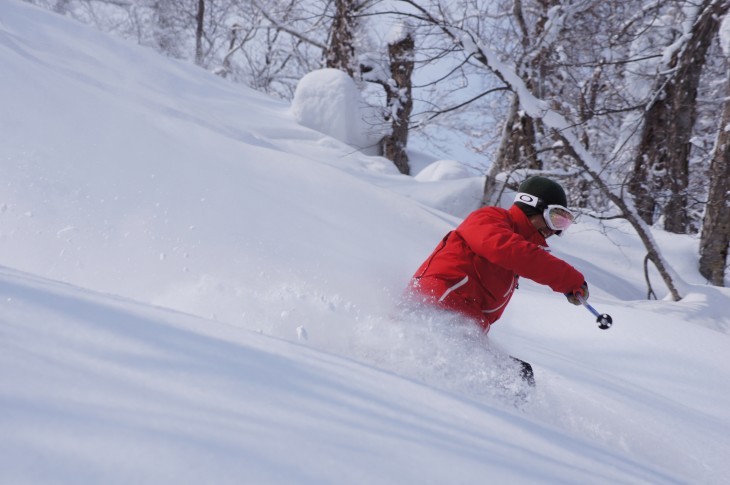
195,288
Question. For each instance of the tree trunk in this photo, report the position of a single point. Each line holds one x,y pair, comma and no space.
660,175
516,150
199,24
399,102
518,146
340,52
715,236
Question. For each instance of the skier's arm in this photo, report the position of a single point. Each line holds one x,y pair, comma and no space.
492,237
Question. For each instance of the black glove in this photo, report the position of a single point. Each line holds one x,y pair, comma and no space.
572,296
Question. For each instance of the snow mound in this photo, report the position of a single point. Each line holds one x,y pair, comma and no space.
443,170
329,101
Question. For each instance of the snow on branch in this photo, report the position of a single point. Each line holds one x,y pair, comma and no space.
563,130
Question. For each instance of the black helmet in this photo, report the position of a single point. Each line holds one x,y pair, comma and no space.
547,191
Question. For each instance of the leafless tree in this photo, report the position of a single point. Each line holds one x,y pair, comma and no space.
660,177
560,128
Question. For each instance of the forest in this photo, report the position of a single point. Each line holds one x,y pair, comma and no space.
625,102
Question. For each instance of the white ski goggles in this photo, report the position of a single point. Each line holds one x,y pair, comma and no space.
557,217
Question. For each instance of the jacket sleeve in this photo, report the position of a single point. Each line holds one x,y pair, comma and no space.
490,234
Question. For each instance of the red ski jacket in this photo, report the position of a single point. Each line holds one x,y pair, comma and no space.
475,268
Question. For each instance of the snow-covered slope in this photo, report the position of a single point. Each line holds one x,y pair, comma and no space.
103,390
195,288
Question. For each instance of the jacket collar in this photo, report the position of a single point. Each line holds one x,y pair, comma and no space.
525,227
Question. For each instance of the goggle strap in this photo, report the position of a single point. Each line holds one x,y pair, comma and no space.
530,200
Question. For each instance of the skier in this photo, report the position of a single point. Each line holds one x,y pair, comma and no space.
475,269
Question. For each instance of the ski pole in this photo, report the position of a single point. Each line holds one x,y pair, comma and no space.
604,320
